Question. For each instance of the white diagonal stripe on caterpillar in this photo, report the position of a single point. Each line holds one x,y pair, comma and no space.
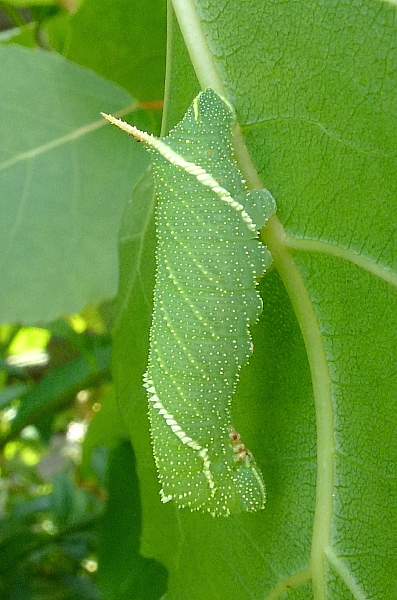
185,439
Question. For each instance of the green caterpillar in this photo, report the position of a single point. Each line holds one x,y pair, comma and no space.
205,298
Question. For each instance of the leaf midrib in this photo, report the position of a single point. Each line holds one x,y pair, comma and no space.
62,140
312,336
367,264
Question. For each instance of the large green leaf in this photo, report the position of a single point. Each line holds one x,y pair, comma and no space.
314,88
63,185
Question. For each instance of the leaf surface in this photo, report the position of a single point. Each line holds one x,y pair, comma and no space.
313,86
62,185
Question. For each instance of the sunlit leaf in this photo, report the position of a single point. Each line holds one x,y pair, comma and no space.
61,182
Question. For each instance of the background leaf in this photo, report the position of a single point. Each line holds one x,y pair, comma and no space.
124,574
132,35
59,171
